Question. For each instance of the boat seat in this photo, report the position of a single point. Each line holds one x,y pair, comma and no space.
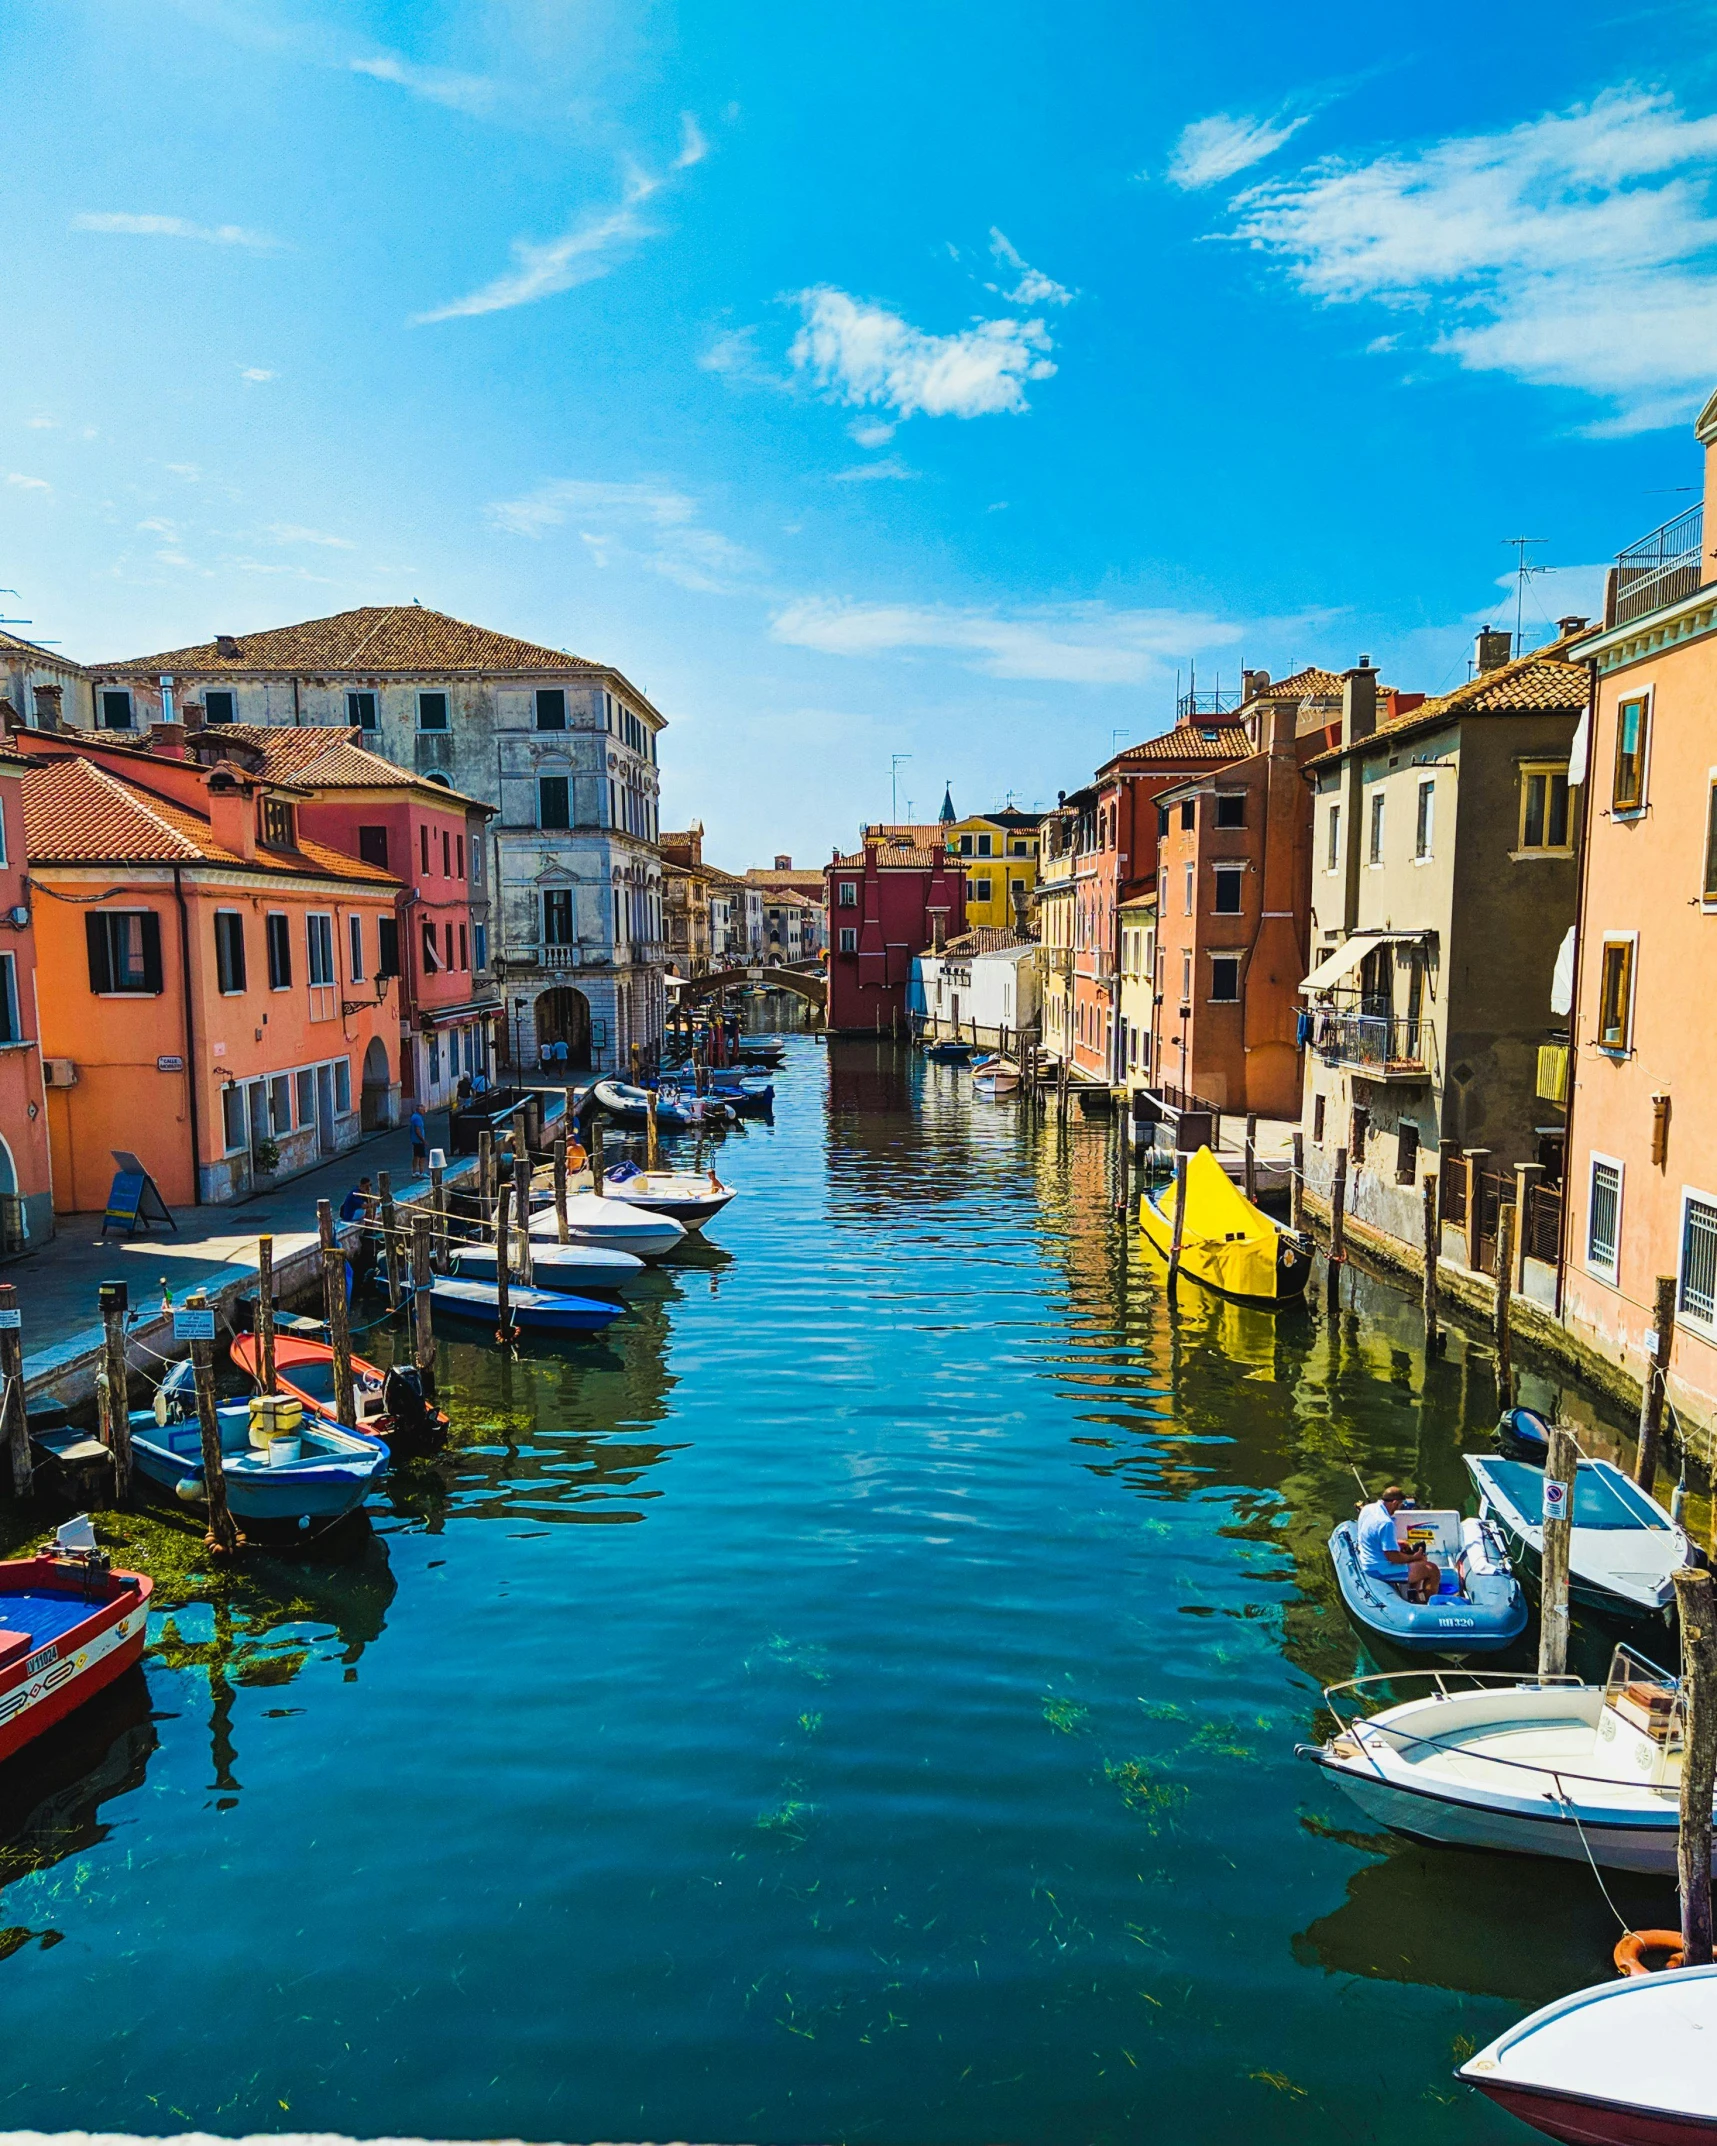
13,1647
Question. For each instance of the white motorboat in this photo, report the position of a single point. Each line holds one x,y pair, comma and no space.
593,1219
555,1265
1552,1767
995,1076
1624,1549
1629,2063
691,1200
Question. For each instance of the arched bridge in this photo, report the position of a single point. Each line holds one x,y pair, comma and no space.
809,983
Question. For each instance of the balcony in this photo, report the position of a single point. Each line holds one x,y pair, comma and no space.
1377,1046
1660,569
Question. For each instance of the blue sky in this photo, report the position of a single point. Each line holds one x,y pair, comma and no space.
860,381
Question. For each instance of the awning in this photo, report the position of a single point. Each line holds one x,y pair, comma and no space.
472,1009
1562,984
1580,749
1347,957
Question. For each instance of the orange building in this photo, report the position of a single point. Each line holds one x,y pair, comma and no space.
214,997
1642,1174
26,1195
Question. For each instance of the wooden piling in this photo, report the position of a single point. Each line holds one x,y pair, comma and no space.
561,1230
522,1211
597,1166
1696,1601
1122,1166
1656,1375
390,1236
12,1416
334,1310
422,1309
223,1538
1179,1222
1338,1210
265,1315
1297,1184
438,1204
1560,1466
652,1134
1501,1318
1251,1157
486,1167
1433,1248
503,1277
115,1299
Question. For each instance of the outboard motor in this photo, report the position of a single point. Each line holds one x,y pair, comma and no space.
402,1397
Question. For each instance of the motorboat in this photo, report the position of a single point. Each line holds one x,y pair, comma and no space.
745,1102
593,1218
630,1107
320,1473
1533,1766
1524,1430
995,1076
1624,1549
951,1053
388,1402
556,1266
552,1311
1620,2064
69,1625
1228,1243
771,1056
684,1196
1478,1608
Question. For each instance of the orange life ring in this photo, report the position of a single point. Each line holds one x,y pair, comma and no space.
1631,1950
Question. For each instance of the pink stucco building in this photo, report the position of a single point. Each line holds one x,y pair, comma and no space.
886,902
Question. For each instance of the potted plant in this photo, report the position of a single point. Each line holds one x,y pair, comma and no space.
266,1155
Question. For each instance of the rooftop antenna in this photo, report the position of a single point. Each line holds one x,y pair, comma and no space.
894,763
1522,572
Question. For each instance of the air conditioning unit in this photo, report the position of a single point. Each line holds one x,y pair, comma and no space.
59,1073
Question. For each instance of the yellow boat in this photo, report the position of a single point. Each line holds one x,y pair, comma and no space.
1227,1244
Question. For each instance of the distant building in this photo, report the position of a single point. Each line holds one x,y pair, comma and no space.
981,986
1138,921
26,1190
999,853
41,688
887,902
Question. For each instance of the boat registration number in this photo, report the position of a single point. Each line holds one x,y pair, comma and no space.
41,1660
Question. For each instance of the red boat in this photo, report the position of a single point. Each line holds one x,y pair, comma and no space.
68,1627
306,1368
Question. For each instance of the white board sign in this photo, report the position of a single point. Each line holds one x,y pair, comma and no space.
194,1325
1555,1499
11,1319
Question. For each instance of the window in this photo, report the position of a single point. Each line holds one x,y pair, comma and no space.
480,945
1361,1126
1317,1121
1627,793
1224,978
1185,978
361,710
432,711
1425,826
464,950
116,711
1544,808
278,830
965,845
1018,849
1231,808
1228,890
1377,803
1604,1216
423,849
1162,821
232,1117
319,933
373,846
1697,1295
387,946
280,1103
553,802
1615,994
10,1032
981,890
218,705
847,897
459,855
343,1087
447,946
1187,890
124,950
277,931
983,845
355,944
551,708
1189,814
306,1085
446,854
849,939
557,916
431,959
1406,1154
229,951
1711,842
1332,858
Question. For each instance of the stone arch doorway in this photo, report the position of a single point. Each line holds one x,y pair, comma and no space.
373,1097
563,1016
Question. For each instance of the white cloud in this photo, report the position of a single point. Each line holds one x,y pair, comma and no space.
871,432
44,424
128,226
1214,149
735,356
866,472
1070,644
1034,288
861,353
462,93
255,373
295,533
693,147
188,470
588,250
659,527
29,484
1576,250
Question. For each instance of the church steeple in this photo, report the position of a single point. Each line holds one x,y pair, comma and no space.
947,816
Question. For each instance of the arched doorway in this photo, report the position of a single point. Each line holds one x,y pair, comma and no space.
373,1099
563,1016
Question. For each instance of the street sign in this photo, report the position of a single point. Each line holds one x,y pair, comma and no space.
1555,1499
169,1064
194,1325
11,1319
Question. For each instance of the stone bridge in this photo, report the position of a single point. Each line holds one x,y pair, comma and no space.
809,983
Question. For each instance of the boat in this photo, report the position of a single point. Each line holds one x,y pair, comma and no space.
550,1311
1528,1765
1524,1430
388,1403
752,1102
948,1054
1228,1244
995,1076
683,1195
764,1057
556,1266
1624,1549
1479,1607
1621,2064
592,1218
630,1107
69,1625
322,1472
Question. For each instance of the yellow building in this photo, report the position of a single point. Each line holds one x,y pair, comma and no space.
999,852
1138,922
1054,845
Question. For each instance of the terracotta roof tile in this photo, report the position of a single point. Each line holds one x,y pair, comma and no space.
895,856
1308,684
1188,741
988,939
326,759
1542,682
378,639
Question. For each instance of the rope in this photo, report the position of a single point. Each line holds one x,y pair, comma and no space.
1626,1926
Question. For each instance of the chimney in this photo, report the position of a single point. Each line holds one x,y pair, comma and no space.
1568,625
1252,683
783,864
1358,702
167,741
9,718
48,707
227,647
1705,432
1492,649
232,815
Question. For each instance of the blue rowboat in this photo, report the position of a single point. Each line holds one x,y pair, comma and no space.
1479,1608
948,1054
547,1311
334,1473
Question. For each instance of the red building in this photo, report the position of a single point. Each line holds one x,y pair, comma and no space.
886,903
26,1186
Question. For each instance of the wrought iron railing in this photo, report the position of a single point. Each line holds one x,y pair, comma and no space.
1661,568
1372,1039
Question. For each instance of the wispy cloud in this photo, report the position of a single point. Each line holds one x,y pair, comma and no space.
461,93
296,533
856,352
1034,288
656,525
1214,149
255,374
891,466
29,484
125,225
1576,250
1069,644
693,145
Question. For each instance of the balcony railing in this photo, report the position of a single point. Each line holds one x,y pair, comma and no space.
1661,568
1378,1043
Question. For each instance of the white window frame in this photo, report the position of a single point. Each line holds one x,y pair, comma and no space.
849,939
1226,953
221,989
847,895
1606,939
1425,821
104,694
1219,873
1701,1322
1376,829
1605,1271
312,918
1332,839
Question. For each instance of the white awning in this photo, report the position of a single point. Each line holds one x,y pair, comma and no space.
1562,977
1342,962
1578,751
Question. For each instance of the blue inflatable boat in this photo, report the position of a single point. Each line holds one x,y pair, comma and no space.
1479,1608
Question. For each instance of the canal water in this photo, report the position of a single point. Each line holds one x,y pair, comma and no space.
854,1699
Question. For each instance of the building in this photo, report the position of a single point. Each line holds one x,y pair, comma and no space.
26,1181
220,1005
1138,919
40,689
999,852
1055,833
1443,886
889,901
685,901
790,933
982,986
563,750
1233,892
1642,1179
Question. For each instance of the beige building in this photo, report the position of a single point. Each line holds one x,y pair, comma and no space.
1138,920
1055,931
43,689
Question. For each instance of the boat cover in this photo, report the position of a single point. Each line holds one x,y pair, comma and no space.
1226,1241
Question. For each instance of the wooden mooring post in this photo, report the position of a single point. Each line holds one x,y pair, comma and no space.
390,1236
1505,1221
1696,1601
522,1218
115,1387
1179,1222
422,1305
486,1167
1433,1251
1560,1466
1656,1377
265,1315
1251,1157
561,1230
438,1203
597,1133
652,1134
12,1416
503,1275
339,1321
1297,1185
223,1538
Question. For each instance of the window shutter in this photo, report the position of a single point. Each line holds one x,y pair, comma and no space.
100,963
149,927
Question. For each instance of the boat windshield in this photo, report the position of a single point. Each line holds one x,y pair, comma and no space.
1646,1697
1603,1496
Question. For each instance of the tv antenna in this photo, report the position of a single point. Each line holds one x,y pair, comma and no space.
894,766
1524,569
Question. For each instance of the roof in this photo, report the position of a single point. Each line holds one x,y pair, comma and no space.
787,882
12,644
895,856
988,939
947,815
1187,741
376,639
1308,684
1543,682
1003,816
928,835
78,813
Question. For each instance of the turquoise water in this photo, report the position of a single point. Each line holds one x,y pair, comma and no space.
854,1699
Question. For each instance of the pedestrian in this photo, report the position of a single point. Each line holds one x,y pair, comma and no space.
462,1094
355,1206
419,1141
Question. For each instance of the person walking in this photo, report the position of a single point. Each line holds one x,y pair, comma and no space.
419,1141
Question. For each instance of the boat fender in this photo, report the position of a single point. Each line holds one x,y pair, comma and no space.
191,1490
1631,1950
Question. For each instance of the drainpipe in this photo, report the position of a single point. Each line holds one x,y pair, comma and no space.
191,1068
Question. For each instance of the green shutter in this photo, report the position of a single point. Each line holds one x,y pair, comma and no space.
100,957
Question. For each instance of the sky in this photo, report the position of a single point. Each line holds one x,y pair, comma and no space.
868,382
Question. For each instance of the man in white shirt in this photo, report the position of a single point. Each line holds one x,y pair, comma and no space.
1381,1556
